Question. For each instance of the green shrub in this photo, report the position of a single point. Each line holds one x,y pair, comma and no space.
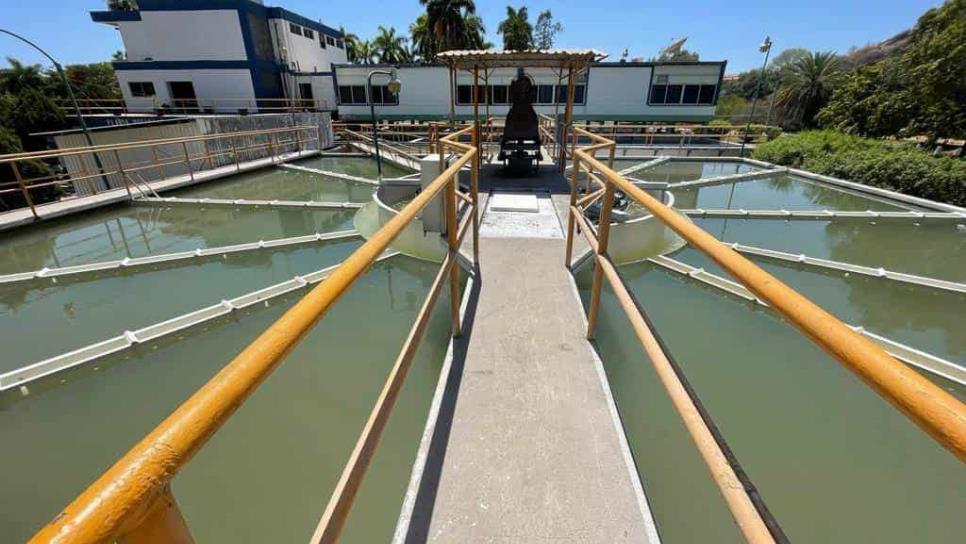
890,165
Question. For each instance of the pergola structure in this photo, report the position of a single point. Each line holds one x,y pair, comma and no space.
568,63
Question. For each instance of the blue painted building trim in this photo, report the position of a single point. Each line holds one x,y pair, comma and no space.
282,13
183,65
115,16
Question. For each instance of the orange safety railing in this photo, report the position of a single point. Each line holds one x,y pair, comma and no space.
933,409
133,502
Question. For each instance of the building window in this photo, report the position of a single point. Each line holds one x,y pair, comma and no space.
141,88
658,94
305,91
295,29
674,94
340,44
578,94
691,93
706,96
330,40
352,94
544,94
321,41
308,33
381,95
464,94
499,94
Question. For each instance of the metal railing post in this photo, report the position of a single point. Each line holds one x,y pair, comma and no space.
23,189
187,160
234,153
163,524
157,162
603,232
120,170
271,147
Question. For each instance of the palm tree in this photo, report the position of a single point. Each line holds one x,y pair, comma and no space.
806,85
410,53
365,52
350,40
446,19
423,39
388,45
474,34
20,76
516,29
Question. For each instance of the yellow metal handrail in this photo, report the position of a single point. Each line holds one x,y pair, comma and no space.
132,500
937,412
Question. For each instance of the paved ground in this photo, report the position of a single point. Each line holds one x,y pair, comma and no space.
526,446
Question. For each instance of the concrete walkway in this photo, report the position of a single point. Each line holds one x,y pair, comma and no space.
528,446
23,216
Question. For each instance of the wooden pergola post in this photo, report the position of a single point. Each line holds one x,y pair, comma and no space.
452,96
568,116
476,112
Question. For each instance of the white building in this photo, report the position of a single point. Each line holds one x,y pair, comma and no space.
625,91
223,55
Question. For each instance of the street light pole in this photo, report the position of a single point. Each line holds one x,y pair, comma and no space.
765,48
73,100
393,87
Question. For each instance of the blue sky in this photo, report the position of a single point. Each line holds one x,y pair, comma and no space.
716,29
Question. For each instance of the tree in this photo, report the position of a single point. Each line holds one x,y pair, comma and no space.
516,29
806,85
350,40
475,33
365,52
20,76
122,5
936,61
545,33
447,21
423,38
875,100
390,47
786,57
679,55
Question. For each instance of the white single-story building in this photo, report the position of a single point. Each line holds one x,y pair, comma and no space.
194,56
625,91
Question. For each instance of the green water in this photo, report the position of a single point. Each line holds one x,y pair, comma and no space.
833,461
281,184
136,231
927,319
364,167
677,171
40,318
267,474
782,192
935,249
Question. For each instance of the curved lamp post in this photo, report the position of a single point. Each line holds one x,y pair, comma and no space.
393,86
73,100
765,48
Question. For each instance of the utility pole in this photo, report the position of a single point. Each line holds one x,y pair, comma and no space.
765,48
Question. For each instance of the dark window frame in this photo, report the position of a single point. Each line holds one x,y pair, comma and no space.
690,94
703,99
308,33
140,89
295,29
349,95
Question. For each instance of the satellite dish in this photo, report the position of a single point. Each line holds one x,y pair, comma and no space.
674,47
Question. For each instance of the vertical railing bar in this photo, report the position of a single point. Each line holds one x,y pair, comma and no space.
187,160
124,179
452,227
603,234
23,189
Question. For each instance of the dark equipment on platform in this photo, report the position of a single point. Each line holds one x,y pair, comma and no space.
520,143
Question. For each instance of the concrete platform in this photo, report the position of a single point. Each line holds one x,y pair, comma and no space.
524,443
